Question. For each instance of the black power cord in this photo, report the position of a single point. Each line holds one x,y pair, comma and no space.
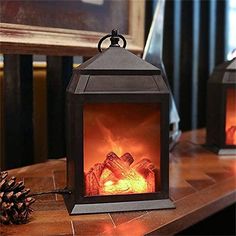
56,191
185,142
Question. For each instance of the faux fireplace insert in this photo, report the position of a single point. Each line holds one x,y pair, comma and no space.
117,134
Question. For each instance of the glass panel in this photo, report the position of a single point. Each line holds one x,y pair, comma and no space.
121,148
230,122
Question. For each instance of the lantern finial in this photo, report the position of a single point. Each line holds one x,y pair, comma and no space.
114,37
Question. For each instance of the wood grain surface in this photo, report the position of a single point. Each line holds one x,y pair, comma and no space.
201,183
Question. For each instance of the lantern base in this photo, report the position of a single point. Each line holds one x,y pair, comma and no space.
227,152
89,208
222,151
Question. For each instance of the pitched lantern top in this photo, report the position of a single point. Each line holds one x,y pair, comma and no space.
224,73
116,70
227,66
116,61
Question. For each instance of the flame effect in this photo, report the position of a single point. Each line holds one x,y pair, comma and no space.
116,175
133,183
230,125
114,144
120,128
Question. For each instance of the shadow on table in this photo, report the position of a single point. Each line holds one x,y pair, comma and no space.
221,223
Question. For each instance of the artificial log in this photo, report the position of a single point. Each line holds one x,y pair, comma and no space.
147,169
108,174
144,167
104,178
231,135
92,179
116,165
127,158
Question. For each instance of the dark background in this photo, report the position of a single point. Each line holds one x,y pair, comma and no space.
194,43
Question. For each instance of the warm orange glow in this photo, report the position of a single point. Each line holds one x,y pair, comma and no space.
230,125
134,183
116,176
118,128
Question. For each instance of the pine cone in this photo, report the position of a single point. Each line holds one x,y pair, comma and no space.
14,202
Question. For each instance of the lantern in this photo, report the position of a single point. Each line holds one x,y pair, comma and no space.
117,134
221,109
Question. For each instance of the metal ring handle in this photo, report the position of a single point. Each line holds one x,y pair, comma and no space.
110,36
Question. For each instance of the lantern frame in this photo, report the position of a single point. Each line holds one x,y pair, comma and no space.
127,79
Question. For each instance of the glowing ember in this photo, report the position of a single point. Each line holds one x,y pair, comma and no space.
116,176
231,135
230,125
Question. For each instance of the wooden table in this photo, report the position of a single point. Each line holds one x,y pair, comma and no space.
201,183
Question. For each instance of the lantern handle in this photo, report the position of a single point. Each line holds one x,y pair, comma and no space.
114,37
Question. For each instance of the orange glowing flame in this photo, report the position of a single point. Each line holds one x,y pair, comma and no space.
230,125
119,177
112,143
121,127
133,182
118,127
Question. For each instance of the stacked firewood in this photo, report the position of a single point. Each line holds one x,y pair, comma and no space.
116,176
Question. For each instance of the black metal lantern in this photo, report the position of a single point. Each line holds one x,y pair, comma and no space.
118,128
221,109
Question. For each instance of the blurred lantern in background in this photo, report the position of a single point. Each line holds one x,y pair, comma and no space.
221,109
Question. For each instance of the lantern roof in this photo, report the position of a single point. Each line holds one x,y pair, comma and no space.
116,70
117,61
232,65
224,73
228,65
